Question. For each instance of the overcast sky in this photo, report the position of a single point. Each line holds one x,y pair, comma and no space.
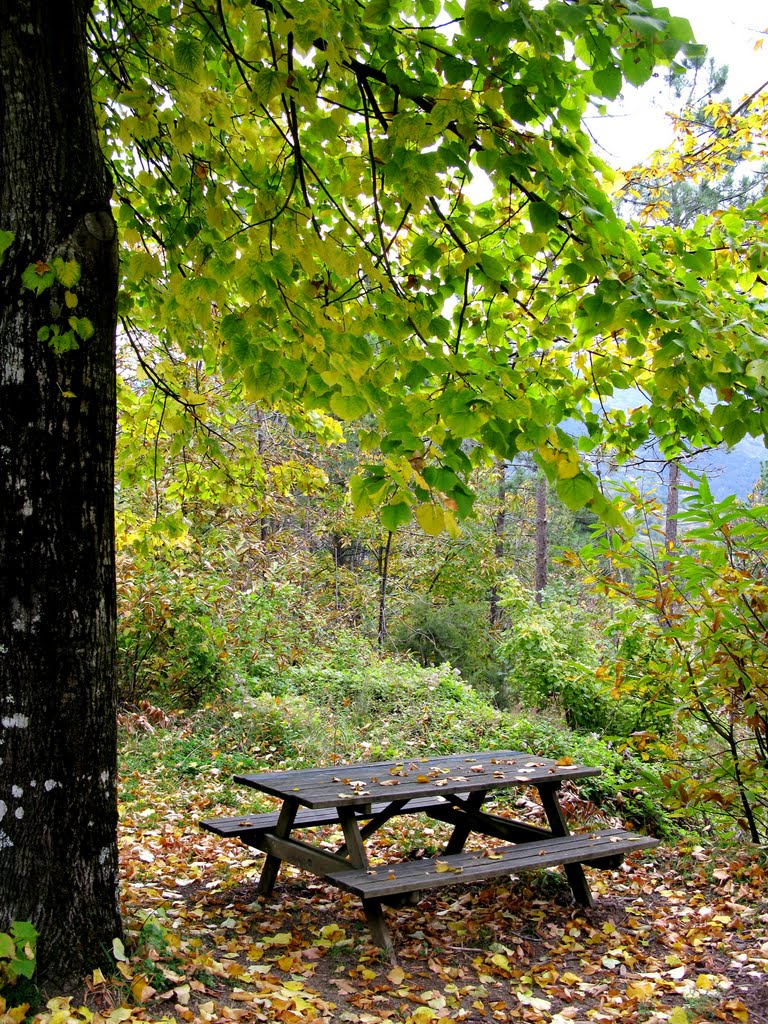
730,28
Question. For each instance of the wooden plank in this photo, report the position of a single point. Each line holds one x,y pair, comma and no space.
474,866
250,825
304,856
343,770
493,825
357,785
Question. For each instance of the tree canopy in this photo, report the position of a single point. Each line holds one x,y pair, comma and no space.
357,210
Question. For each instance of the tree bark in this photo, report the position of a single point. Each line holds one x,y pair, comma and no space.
542,538
58,796
673,505
499,527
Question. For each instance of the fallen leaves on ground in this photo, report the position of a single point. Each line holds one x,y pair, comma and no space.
678,936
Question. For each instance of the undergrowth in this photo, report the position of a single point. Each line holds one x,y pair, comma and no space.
314,714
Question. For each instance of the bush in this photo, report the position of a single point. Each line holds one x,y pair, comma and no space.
457,632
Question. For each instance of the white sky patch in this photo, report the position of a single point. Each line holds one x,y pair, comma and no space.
5,842
3,809
50,784
17,791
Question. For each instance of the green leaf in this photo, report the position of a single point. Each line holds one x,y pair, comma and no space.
7,947
82,326
646,26
393,516
348,407
609,81
576,492
188,55
6,240
494,268
23,967
38,277
543,217
699,261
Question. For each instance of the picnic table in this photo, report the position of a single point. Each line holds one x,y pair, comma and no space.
361,798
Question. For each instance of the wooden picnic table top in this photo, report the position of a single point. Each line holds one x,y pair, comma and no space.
354,785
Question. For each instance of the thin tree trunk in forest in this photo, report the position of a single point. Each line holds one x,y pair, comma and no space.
499,525
542,540
673,504
383,574
58,797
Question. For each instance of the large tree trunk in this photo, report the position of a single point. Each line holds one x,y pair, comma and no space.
58,800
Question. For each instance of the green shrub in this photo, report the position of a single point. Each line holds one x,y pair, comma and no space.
456,632
18,961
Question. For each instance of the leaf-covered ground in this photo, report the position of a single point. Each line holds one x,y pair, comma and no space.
678,935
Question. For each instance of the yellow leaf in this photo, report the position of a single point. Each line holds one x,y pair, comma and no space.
423,1015
142,990
396,975
640,990
119,1014
678,1016
118,950
705,983
430,518
70,300
98,977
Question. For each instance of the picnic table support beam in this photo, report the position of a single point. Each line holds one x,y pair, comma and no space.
462,828
374,913
282,830
573,872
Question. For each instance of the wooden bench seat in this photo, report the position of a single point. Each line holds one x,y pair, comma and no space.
474,866
254,826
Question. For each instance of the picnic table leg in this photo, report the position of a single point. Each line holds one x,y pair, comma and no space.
574,872
282,831
462,829
374,915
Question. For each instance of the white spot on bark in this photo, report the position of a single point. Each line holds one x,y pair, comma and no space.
5,842
33,783
19,812
16,721
3,649
3,809
17,791
103,855
104,778
26,508
50,784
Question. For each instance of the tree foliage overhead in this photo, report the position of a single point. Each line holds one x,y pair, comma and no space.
363,209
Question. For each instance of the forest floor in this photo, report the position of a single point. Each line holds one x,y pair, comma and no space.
679,934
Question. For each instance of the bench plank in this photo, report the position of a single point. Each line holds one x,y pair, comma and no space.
245,826
479,865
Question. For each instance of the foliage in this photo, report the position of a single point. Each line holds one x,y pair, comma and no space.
702,604
551,652
456,632
294,197
17,961
678,186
